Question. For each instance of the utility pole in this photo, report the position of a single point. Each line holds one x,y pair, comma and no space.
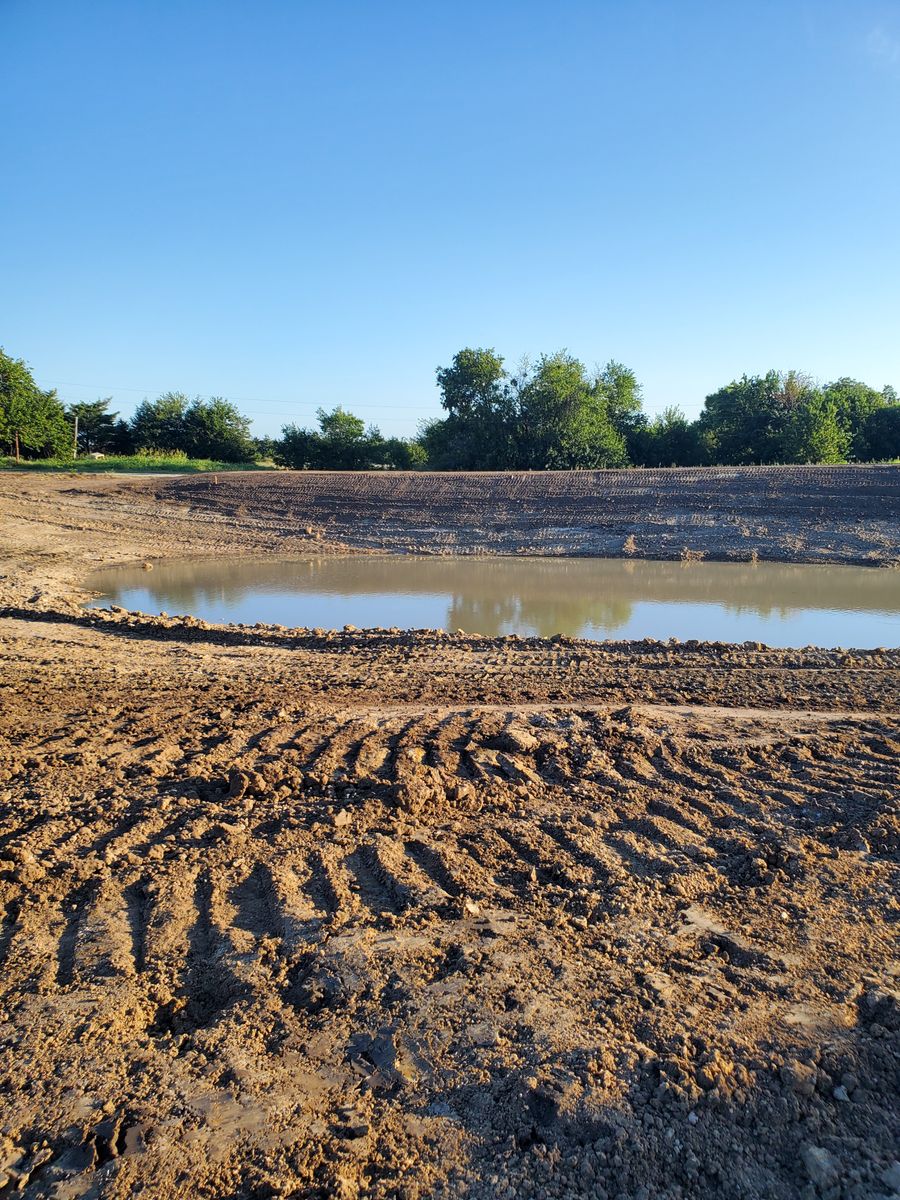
75,439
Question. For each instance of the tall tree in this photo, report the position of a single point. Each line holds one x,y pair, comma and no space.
32,421
474,385
478,398
298,448
666,440
854,402
160,424
882,433
215,429
813,433
763,419
98,429
623,395
343,443
347,444
563,417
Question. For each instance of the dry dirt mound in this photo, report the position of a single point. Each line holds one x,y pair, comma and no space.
251,950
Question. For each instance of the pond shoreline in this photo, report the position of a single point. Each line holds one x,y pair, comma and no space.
590,598
830,515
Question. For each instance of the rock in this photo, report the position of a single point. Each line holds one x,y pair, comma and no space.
712,1072
10,1155
882,1007
840,1093
519,739
517,771
821,1166
706,1076
342,818
799,1077
460,792
240,783
77,1159
890,1176
484,1034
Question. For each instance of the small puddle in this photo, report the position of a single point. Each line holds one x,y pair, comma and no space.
780,604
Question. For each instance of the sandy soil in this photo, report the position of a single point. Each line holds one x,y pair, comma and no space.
408,915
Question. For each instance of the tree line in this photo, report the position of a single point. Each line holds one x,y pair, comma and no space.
552,413
36,424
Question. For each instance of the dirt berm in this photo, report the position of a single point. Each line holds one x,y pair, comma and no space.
416,915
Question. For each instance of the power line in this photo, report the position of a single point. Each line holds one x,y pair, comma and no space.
250,412
241,399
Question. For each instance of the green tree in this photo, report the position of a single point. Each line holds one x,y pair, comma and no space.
474,385
342,443
347,444
667,440
298,448
623,395
264,448
216,429
160,424
402,454
563,418
98,429
854,402
477,433
882,433
449,445
813,433
765,419
32,421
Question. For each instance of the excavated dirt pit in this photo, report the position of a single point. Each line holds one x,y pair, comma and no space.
407,915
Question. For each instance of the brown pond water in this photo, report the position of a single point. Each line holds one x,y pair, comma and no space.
780,604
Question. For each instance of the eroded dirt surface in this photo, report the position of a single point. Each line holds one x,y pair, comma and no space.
800,514
389,914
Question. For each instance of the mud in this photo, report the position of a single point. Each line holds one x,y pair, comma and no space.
298,913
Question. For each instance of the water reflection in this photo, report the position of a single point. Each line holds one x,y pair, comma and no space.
778,603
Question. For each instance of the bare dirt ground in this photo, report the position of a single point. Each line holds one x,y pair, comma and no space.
409,915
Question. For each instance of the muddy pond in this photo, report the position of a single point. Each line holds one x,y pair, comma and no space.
780,604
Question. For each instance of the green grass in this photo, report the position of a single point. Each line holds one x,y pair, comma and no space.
133,462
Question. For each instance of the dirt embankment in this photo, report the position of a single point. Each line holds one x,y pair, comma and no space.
56,529
797,514
401,915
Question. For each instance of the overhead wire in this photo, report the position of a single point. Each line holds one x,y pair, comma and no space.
237,399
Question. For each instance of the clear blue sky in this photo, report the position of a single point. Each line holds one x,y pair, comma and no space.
294,204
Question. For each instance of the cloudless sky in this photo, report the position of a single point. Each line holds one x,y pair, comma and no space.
299,204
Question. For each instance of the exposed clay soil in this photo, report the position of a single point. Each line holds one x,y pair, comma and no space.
393,914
